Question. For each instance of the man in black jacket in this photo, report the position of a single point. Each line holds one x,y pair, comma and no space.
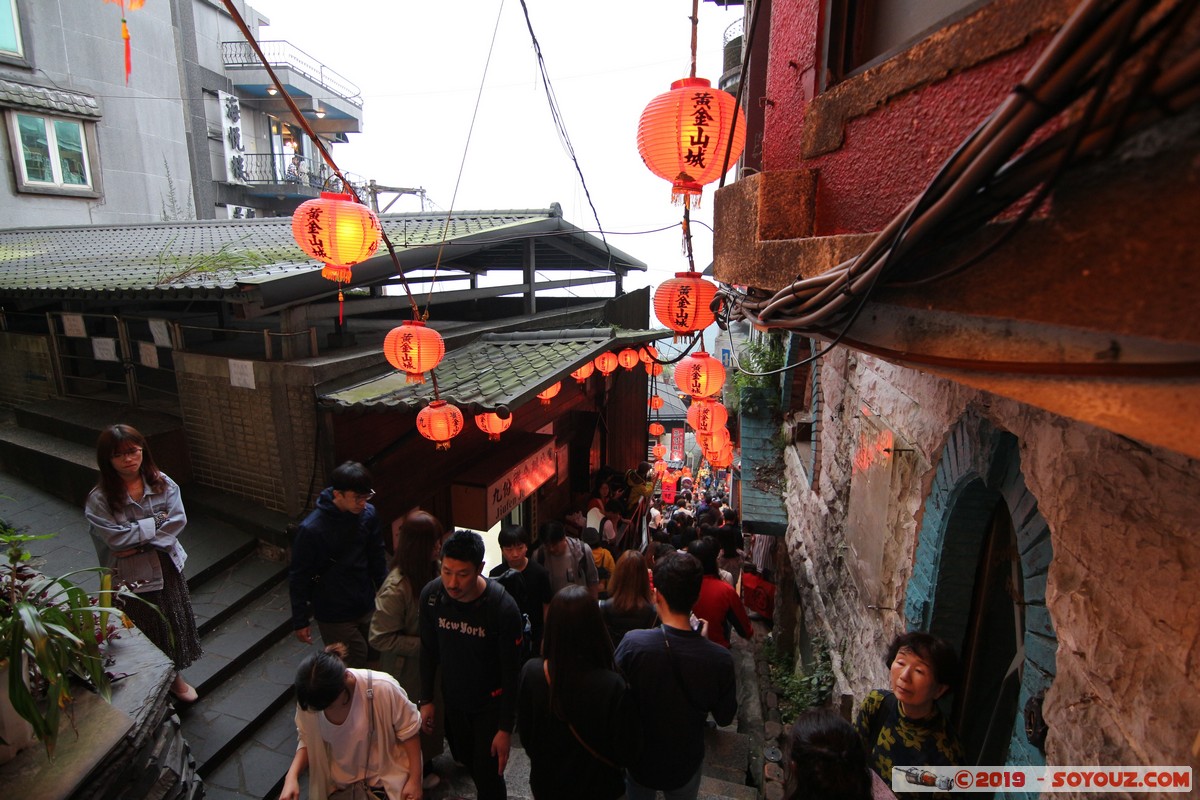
338,563
471,630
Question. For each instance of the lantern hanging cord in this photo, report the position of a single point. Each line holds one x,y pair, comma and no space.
463,162
695,18
347,186
561,126
993,168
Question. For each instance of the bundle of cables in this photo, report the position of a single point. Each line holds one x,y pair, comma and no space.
1103,46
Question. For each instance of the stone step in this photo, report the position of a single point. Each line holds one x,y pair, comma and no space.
256,769
262,523
63,468
726,755
222,594
716,789
228,715
244,632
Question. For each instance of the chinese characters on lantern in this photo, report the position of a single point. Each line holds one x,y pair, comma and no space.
698,141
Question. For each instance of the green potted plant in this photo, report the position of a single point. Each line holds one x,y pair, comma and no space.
50,632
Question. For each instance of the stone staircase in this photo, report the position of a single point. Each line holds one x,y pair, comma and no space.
240,731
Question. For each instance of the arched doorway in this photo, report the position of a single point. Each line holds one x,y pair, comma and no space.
979,582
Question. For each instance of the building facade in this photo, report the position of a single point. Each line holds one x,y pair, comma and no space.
197,131
997,439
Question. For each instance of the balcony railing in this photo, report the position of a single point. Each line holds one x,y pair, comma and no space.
282,54
267,168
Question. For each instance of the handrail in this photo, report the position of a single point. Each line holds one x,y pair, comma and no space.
239,55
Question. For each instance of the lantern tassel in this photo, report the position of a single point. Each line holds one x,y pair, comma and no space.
415,377
128,51
341,304
442,446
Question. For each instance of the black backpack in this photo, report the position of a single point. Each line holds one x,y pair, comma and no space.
513,581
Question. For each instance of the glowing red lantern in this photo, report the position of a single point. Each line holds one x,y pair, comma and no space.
683,135
440,422
647,354
721,457
606,363
682,303
715,440
660,466
659,450
628,358
654,368
414,348
549,393
337,231
686,472
584,372
656,429
705,416
491,424
700,375
655,402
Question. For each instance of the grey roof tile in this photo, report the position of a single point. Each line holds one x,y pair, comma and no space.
13,93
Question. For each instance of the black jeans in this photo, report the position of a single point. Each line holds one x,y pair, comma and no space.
470,735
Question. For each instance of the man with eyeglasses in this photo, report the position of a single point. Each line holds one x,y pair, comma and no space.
338,564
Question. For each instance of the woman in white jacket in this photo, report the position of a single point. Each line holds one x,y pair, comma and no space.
136,517
355,726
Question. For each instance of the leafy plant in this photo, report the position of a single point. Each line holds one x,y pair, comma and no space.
50,625
800,689
757,371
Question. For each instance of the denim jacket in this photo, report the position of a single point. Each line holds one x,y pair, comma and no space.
132,526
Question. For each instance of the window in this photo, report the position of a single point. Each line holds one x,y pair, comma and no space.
51,153
10,29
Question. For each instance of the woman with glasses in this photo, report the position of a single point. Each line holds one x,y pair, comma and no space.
136,517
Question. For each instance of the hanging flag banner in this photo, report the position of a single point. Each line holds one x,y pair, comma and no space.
677,444
668,492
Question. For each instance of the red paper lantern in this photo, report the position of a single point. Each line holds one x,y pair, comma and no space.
606,363
414,348
440,422
686,472
700,375
683,135
660,466
491,424
705,416
647,354
654,368
337,231
715,440
549,393
683,303
659,450
721,457
656,429
628,358
584,372
655,402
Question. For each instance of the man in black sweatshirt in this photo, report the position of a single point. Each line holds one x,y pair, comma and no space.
471,629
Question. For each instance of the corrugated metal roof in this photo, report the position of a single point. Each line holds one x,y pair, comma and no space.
498,369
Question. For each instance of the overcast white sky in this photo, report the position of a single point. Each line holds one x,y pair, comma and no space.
420,66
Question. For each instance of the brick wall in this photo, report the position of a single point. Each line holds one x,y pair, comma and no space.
1110,523
257,443
25,363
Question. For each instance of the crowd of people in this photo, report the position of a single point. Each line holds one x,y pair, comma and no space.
608,654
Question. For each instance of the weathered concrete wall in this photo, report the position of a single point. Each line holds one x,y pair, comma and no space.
1123,586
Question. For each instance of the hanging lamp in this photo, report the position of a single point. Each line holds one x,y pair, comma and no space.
337,231
549,393
606,363
699,375
414,348
440,422
491,424
647,353
655,402
659,450
628,358
683,134
584,372
654,369
683,303
656,429
706,415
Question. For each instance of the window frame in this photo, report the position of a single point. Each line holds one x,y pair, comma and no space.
20,57
88,142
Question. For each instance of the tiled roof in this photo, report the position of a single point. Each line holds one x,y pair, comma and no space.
56,101
498,369
187,257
